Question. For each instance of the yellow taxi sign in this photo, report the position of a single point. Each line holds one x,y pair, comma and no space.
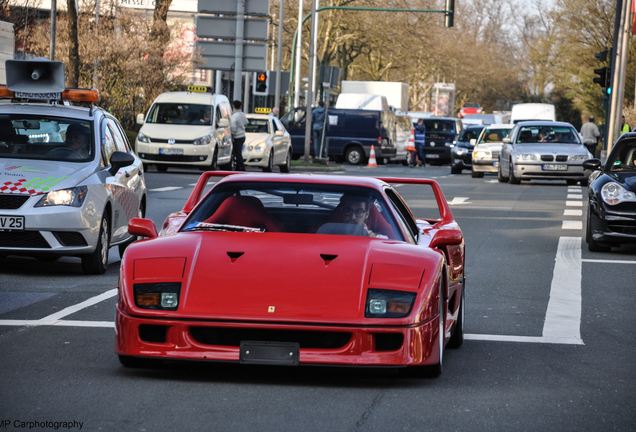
262,110
197,88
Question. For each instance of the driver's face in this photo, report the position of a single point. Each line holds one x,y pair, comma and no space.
355,212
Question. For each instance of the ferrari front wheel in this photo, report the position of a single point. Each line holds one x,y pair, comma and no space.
436,369
457,336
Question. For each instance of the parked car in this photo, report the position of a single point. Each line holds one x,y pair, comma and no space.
469,108
440,134
611,207
186,129
462,150
543,150
487,149
267,143
349,134
69,180
335,302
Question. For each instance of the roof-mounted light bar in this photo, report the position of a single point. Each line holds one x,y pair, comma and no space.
71,95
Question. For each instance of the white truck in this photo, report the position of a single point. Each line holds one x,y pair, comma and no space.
7,47
532,111
396,93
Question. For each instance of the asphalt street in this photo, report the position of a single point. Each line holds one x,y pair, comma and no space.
550,342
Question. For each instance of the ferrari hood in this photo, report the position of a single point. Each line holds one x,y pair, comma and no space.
290,277
22,176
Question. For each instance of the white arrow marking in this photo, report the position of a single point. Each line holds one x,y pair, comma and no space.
459,201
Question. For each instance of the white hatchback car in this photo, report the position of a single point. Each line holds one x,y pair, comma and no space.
267,143
69,181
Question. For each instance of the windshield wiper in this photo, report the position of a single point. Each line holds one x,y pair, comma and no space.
204,226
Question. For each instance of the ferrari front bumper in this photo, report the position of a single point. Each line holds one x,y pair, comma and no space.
319,345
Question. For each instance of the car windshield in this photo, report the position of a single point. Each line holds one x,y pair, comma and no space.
294,208
47,138
256,126
440,126
623,158
547,134
494,135
180,113
469,133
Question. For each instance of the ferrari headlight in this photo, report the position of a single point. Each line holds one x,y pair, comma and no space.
388,304
527,157
203,140
73,197
578,158
163,295
142,138
613,193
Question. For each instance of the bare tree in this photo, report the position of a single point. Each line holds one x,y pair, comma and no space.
73,49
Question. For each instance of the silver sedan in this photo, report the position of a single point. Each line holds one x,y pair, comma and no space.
543,150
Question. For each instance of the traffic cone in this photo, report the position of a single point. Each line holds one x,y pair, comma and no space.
372,162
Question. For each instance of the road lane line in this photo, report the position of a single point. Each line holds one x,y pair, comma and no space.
165,189
563,315
459,201
572,225
523,339
573,204
572,212
75,323
79,306
574,196
608,261
19,323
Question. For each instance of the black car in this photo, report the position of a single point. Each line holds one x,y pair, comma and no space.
611,212
440,134
462,150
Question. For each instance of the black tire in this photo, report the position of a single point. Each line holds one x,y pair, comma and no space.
456,169
286,167
354,155
162,168
584,182
457,336
434,371
270,162
477,174
511,174
97,261
500,176
134,362
593,246
214,164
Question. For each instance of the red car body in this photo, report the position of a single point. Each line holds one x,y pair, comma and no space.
283,289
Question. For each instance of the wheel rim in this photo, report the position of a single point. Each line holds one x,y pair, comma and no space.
354,157
104,240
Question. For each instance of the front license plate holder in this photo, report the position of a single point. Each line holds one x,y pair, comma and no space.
170,151
270,353
11,223
555,167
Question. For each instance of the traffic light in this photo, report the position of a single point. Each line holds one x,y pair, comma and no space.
261,84
603,74
450,13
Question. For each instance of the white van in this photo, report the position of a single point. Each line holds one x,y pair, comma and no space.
186,128
532,111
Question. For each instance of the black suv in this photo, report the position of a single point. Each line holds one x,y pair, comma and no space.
462,150
440,134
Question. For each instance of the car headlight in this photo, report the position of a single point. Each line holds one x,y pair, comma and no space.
527,157
578,158
163,295
460,151
256,147
388,304
448,144
481,154
613,193
142,138
203,140
73,197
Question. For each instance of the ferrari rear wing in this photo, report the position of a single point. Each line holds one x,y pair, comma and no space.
445,212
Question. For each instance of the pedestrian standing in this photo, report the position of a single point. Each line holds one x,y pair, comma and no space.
625,127
420,139
590,134
238,121
317,122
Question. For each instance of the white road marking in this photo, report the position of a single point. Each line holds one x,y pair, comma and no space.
573,204
574,190
165,189
573,196
606,261
563,315
459,201
572,212
77,307
63,323
491,181
523,339
572,225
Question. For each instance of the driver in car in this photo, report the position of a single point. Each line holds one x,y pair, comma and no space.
354,210
77,140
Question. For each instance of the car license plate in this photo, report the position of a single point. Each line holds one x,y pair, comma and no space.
14,223
432,156
269,353
170,151
555,167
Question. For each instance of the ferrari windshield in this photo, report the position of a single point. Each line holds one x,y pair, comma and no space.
547,134
294,208
47,138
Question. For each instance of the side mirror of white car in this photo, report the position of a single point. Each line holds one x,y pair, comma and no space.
140,119
279,133
222,123
507,140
